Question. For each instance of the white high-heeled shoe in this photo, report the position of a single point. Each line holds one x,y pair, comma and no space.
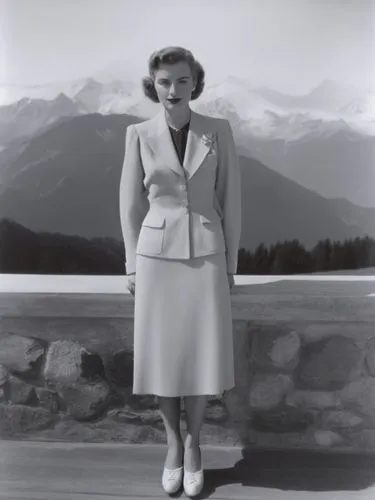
193,481
172,479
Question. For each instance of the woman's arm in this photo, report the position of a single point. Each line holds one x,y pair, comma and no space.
228,192
133,197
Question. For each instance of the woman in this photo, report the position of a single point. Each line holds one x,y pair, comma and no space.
180,209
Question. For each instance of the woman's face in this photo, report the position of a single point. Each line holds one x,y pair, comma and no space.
174,81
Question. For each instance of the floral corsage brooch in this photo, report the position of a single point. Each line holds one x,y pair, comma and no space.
209,139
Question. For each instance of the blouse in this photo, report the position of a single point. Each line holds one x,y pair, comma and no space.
179,138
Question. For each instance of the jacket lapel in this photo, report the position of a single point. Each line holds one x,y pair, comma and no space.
196,149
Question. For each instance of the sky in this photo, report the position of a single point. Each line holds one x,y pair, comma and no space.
288,45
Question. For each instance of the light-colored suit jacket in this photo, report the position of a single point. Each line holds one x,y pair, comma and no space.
179,211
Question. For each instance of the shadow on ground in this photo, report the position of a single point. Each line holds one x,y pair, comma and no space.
294,471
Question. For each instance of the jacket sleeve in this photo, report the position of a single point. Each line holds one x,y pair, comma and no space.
133,197
229,194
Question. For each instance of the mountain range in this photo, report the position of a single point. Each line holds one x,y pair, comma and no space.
66,180
324,141
28,117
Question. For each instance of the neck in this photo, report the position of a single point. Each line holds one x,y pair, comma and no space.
179,118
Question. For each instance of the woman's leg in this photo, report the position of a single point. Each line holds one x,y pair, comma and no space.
169,408
195,407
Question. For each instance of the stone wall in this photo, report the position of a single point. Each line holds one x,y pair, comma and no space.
59,389
299,384
309,386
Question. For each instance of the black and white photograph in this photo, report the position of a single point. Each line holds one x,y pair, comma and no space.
187,249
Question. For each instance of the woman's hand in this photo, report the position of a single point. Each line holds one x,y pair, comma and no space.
230,280
131,284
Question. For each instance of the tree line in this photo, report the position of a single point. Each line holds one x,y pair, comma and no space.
291,257
23,251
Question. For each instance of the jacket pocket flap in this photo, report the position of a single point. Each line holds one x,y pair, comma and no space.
154,219
206,219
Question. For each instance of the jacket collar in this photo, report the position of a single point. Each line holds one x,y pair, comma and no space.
196,147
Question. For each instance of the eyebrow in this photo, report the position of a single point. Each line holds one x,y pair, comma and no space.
180,78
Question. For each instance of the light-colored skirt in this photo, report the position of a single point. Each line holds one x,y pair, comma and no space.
183,337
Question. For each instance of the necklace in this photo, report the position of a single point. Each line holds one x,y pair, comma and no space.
180,130
175,129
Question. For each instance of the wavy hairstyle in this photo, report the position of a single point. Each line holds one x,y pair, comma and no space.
171,55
